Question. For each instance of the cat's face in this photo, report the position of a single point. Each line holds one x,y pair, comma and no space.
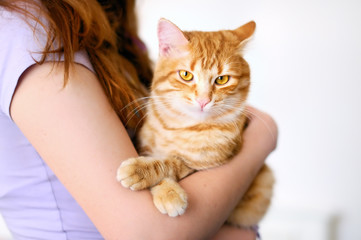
201,75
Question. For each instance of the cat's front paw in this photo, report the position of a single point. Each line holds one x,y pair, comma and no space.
135,173
169,198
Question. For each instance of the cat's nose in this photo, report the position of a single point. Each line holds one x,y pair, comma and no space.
203,102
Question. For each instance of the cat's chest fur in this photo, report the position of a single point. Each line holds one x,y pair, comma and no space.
200,146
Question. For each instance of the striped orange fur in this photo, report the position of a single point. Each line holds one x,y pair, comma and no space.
195,119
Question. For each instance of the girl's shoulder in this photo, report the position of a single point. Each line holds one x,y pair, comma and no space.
21,46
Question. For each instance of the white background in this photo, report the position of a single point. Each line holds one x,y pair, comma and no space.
306,72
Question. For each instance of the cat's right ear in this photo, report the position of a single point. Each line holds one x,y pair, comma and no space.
246,31
171,39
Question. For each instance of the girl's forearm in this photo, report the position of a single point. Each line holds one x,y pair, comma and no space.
214,193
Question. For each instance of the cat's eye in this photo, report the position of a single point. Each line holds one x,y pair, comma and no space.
222,79
185,75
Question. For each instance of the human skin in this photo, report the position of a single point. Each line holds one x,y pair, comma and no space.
78,134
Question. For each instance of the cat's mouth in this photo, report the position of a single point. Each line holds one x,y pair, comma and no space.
200,112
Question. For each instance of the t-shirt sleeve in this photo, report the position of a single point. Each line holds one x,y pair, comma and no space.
20,47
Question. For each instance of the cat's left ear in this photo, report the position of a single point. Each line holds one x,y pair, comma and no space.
245,32
171,38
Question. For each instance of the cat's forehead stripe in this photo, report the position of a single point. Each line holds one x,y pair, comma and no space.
193,65
165,78
211,50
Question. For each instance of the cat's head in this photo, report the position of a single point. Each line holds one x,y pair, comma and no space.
201,75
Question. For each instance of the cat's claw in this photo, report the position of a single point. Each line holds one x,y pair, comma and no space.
132,174
170,199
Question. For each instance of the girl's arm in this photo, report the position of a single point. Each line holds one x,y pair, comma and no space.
78,134
228,232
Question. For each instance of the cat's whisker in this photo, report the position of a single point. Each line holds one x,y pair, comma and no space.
139,100
140,120
263,121
136,110
141,106
134,113
133,102
232,104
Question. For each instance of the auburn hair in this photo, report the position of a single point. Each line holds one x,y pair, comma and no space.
107,31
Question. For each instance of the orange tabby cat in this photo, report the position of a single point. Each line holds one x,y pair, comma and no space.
195,118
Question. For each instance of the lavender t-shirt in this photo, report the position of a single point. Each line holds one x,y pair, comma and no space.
33,202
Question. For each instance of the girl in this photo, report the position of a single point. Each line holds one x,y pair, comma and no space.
67,70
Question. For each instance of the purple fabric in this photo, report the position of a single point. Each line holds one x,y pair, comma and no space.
255,228
34,204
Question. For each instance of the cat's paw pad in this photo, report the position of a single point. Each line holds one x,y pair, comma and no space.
132,173
170,200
